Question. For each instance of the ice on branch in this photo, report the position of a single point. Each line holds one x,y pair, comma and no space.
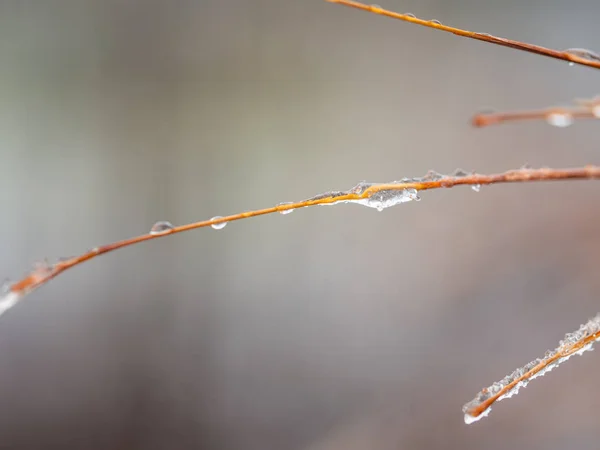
373,195
11,293
575,343
8,298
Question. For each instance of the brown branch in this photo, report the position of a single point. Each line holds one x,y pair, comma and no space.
572,55
374,195
556,116
573,343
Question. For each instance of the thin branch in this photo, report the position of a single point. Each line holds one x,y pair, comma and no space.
572,55
575,343
374,195
556,116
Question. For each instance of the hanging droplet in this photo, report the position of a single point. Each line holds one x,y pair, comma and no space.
389,197
220,225
435,21
411,15
161,227
476,187
559,119
286,211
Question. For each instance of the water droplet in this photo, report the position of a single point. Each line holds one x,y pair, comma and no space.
571,63
161,227
596,111
220,225
476,187
376,7
435,21
411,15
559,119
286,211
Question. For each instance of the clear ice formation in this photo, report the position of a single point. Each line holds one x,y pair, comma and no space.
8,298
583,53
587,334
386,198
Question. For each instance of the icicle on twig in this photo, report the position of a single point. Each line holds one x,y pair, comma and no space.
575,343
373,195
572,55
556,116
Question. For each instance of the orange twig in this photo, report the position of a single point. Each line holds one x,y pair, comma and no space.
573,343
377,196
557,116
572,55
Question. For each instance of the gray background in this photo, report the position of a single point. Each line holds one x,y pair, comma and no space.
330,328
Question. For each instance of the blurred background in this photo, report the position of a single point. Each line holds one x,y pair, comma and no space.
326,329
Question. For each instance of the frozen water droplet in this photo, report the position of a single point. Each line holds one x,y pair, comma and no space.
8,297
476,187
583,53
42,267
161,227
469,419
559,119
360,188
389,197
435,21
458,173
5,287
432,175
411,15
286,211
220,225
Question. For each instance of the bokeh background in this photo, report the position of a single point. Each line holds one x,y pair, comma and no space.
326,329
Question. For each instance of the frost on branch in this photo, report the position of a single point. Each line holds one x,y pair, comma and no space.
573,344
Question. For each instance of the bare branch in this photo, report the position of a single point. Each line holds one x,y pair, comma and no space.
373,195
572,55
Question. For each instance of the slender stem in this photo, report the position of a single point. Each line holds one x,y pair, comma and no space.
576,56
561,117
360,193
573,343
